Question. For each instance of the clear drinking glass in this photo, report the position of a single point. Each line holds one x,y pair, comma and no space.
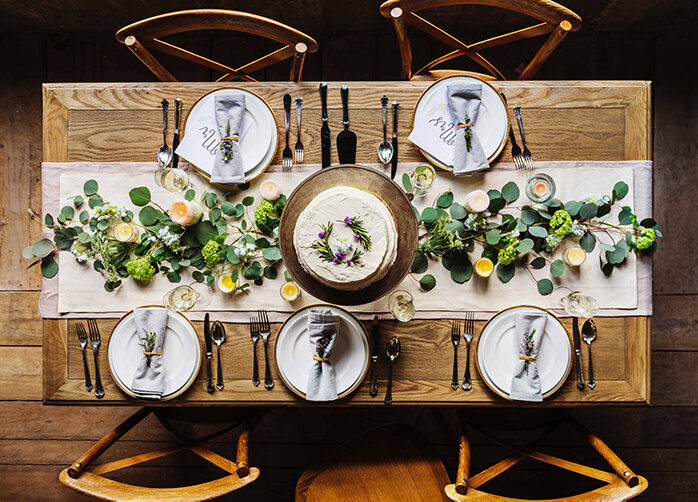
423,179
174,180
402,305
185,297
540,188
579,305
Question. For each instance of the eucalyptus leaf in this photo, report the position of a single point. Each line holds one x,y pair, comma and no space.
210,199
427,282
557,268
510,192
43,248
210,281
148,216
189,195
84,217
140,196
458,212
587,242
538,263
78,200
496,205
174,276
270,272
90,187
493,237
102,225
95,201
262,243
573,207
429,215
539,232
648,223
603,210
445,199
28,252
252,271
248,201
607,269
67,212
272,253
420,264
524,246
461,268
287,275
620,190
205,231
554,204
49,268
625,217
48,220
529,215
228,208
506,272
588,211
494,194
406,182
606,247
231,256
545,287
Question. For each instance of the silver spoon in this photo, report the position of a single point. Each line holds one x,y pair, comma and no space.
392,350
218,335
589,335
385,149
164,152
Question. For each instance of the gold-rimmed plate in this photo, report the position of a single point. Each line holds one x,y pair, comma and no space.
368,180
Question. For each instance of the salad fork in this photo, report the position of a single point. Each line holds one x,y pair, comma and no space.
265,331
95,341
299,144
455,338
82,338
528,158
468,336
287,158
254,333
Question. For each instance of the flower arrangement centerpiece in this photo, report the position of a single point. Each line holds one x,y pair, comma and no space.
341,250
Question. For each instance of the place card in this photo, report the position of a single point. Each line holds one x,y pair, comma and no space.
435,131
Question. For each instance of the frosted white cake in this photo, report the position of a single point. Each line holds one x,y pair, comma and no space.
333,206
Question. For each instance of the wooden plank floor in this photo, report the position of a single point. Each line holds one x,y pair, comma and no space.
659,442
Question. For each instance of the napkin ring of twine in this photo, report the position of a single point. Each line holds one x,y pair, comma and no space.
159,352
227,143
527,358
321,359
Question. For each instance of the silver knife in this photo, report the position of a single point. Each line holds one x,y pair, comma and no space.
578,352
374,357
325,142
393,169
207,340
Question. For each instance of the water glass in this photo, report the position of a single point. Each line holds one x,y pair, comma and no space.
402,305
423,179
185,297
579,305
172,179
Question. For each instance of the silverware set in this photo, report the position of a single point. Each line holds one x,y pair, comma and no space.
298,158
165,151
526,159
95,342
392,350
259,326
466,328
288,156
218,335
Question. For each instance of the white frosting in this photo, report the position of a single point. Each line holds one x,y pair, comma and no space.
333,205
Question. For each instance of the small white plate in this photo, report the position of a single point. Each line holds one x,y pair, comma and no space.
181,353
492,122
350,358
497,351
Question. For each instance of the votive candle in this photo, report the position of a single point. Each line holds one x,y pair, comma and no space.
477,201
125,232
186,213
574,256
540,188
290,291
269,190
484,267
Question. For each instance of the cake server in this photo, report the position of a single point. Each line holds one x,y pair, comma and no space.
346,139
325,141
393,169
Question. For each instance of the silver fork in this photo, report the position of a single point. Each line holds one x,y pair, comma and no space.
299,145
82,338
468,336
287,158
515,149
455,338
265,331
527,157
95,341
254,333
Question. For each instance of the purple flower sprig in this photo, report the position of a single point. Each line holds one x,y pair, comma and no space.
360,233
322,245
528,347
322,345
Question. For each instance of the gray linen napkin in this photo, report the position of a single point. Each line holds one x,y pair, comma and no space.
229,109
465,98
525,384
322,333
149,379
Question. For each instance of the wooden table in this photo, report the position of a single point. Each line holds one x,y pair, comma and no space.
564,121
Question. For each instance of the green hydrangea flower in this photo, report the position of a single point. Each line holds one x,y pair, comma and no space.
507,255
646,238
140,269
561,222
211,252
263,212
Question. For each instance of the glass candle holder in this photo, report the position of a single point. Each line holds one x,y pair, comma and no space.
290,291
126,232
174,180
540,188
423,179
484,267
402,305
573,255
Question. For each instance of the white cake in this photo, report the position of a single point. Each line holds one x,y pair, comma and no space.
333,206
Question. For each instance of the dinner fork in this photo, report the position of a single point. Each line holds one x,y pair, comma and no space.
455,338
299,144
254,333
265,331
286,156
82,338
468,336
528,158
95,341
515,148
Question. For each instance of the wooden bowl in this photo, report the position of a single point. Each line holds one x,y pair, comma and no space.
368,180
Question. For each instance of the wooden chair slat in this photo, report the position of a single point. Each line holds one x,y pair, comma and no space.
215,459
192,57
547,49
135,460
271,58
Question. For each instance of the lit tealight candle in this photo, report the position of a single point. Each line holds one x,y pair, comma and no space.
184,212
541,188
125,232
269,190
484,267
290,291
477,201
574,256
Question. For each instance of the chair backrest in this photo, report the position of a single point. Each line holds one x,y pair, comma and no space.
554,18
149,32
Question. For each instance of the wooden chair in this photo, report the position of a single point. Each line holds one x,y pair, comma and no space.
393,462
149,32
90,480
555,18
623,485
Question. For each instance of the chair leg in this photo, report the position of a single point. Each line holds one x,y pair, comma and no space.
148,59
298,62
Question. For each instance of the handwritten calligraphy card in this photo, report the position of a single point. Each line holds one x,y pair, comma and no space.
435,130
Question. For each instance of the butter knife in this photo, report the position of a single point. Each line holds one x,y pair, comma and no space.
578,352
374,356
207,340
325,141
393,169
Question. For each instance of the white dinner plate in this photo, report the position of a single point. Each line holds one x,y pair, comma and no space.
497,351
258,145
181,354
492,122
350,358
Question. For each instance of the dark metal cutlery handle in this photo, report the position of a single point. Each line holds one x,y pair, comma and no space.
99,390
374,377
384,107
219,380
255,366
209,387
345,105
299,105
389,391
580,373
517,112
467,384
165,107
178,104
395,106
287,113
268,380
454,378
592,382
88,380
323,100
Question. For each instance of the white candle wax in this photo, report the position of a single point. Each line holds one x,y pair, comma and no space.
125,232
289,291
269,190
484,267
477,201
574,256
184,212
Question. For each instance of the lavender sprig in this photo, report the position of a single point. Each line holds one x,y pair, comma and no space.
528,347
148,344
227,144
322,345
360,232
468,132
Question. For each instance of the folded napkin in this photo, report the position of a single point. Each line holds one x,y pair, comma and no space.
322,333
151,326
525,384
465,101
229,111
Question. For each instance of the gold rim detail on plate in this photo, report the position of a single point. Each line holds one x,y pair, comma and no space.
186,387
370,181
477,350
276,123
363,332
504,142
